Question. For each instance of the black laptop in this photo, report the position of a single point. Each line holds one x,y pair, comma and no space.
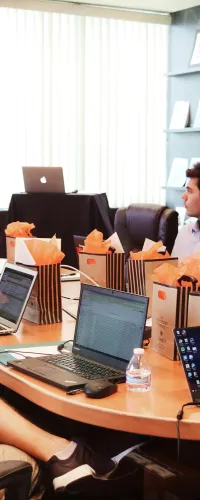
109,325
188,345
79,242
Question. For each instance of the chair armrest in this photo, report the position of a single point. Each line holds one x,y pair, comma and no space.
15,477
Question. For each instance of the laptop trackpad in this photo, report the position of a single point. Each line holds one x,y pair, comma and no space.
64,375
50,373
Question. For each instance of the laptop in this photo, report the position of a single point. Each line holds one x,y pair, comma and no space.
16,284
79,242
43,179
110,323
188,345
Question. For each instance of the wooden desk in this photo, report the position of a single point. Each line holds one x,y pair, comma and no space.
152,413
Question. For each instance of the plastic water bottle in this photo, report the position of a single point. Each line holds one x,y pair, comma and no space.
138,372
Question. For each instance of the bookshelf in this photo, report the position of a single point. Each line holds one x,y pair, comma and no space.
175,188
186,130
190,71
183,84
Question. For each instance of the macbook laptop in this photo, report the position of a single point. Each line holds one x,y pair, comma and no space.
188,345
109,325
15,287
43,179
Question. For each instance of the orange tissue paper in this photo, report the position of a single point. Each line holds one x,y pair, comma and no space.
19,230
169,275
166,275
94,243
43,252
150,254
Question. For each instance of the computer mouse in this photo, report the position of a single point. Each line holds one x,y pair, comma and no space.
99,389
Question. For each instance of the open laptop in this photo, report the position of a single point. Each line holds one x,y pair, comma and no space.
43,179
79,242
188,345
109,325
16,284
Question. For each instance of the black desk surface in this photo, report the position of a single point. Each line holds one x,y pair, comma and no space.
63,215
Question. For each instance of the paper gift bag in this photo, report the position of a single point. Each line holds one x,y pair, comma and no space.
107,270
17,251
140,276
44,305
169,311
194,309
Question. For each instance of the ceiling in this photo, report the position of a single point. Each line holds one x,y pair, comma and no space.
162,5
152,5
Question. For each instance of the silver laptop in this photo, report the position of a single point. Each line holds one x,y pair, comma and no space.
109,325
43,179
15,287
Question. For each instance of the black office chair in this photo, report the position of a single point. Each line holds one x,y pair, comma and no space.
15,478
145,220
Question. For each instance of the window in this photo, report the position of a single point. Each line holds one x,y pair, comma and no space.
87,94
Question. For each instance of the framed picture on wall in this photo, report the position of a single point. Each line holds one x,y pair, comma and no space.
195,58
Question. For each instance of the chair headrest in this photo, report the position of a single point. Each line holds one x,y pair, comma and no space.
143,221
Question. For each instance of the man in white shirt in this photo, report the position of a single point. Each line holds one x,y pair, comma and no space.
188,240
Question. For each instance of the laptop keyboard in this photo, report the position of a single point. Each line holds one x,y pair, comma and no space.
86,369
5,329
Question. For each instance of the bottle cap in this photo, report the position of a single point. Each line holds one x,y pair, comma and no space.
138,350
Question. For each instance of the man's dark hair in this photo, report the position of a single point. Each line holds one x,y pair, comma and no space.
194,173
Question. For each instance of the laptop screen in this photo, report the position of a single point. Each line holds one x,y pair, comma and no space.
14,288
188,344
110,322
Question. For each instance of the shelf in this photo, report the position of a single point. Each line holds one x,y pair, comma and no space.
175,188
188,72
185,130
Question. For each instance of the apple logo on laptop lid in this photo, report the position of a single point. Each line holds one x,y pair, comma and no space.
43,180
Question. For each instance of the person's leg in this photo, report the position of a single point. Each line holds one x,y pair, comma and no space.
19,432
68,462
101,440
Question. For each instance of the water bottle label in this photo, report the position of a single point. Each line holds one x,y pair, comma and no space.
137,380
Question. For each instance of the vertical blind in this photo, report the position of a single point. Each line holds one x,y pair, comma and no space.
87,94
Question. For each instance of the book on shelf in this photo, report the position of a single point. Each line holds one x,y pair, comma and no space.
177,176
180,115
196,123
195,59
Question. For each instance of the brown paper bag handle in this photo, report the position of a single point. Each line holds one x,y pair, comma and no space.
189,279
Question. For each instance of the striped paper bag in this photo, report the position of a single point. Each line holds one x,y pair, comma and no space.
194,309
140,276
44,305
169,311
107,270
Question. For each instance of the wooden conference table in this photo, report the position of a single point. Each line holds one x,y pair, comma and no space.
153,413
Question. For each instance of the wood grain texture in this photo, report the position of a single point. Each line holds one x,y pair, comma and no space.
153,413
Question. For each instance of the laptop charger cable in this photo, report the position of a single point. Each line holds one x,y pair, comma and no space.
60,347
179,417
86,276
69,314
81,272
